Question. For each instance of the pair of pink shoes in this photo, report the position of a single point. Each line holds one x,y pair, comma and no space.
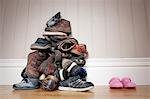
116,83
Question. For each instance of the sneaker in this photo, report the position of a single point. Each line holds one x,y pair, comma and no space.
54,40
58,38
54,20
27,84
75,84
74,70
80,61
61,74
41,44
78,71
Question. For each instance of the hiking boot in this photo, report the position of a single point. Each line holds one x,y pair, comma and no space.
54,20
47,66
58,56
41,44
75,84
27,84
62,26
34,61
67,44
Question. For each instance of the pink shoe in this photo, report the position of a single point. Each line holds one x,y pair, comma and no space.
127,83
115,83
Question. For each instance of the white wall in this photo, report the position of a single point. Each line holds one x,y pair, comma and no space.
147,4
117,34
99,71
110,28
0,25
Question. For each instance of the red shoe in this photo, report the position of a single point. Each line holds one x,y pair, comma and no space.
80,49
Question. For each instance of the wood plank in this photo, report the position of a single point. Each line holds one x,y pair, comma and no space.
140,28
141,92
112,28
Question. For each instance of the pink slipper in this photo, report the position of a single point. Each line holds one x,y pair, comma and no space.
115,83
127,83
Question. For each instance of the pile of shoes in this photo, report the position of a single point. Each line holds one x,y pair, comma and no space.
57,61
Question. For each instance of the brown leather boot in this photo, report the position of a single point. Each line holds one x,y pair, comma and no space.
62,26
34,61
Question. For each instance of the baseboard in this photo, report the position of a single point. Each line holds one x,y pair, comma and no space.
99,70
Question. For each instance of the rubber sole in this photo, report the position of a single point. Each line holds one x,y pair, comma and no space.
36,47
75,89
116,87
27,88
53,33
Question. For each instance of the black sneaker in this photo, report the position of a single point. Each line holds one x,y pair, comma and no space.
41,44
75,84
61,74
27,84
74,70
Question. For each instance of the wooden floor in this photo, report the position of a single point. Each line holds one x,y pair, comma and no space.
99,92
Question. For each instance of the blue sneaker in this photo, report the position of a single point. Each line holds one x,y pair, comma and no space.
27,84
41,44
74,70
